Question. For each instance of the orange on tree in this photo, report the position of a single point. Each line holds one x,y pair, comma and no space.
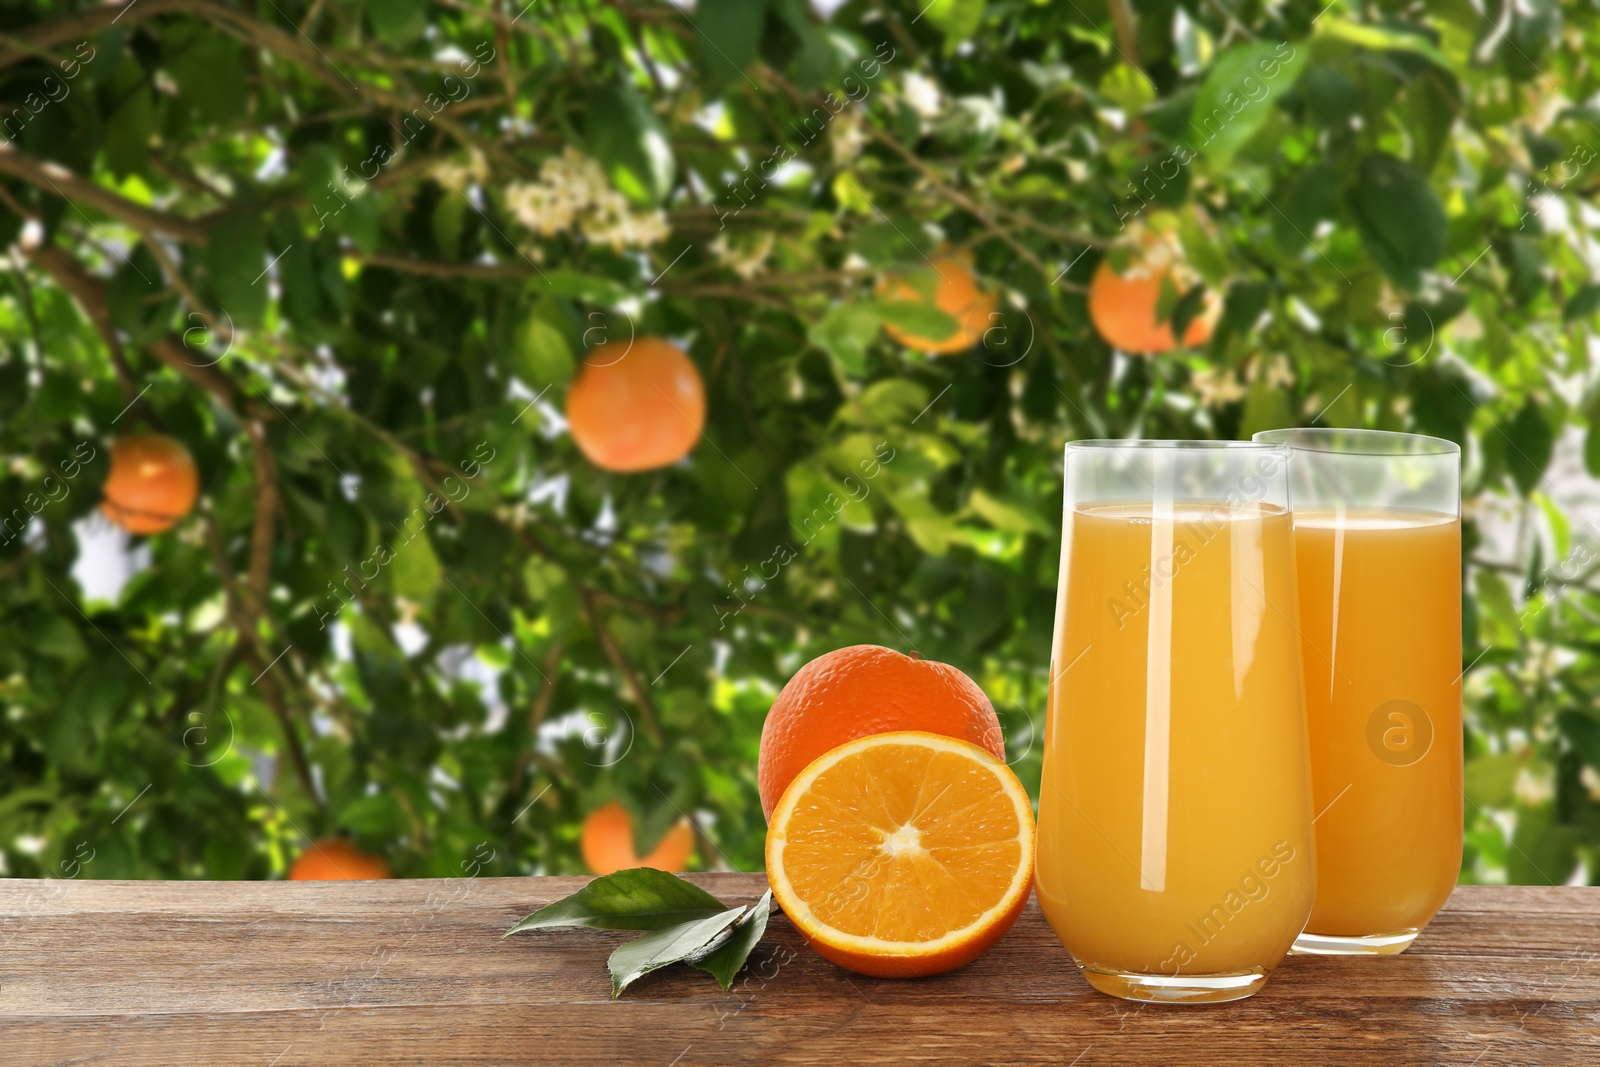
636,405
955,292
1123,304
607,843
337,859
153,483
866,689
902,854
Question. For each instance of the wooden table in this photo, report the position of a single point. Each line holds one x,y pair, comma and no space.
276,974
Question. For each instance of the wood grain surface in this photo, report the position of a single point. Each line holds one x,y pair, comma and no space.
276,974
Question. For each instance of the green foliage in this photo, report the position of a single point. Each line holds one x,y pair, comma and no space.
638,899
687,924
351,255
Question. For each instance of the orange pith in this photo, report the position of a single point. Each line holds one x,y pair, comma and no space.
902,854
956,293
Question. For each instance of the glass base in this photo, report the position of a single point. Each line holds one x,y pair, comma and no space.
1309,944
1175,988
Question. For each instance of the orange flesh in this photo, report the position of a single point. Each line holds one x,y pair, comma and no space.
903,843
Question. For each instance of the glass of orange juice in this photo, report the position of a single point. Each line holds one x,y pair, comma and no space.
1377,528
1175,858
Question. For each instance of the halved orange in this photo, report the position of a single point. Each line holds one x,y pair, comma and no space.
902,854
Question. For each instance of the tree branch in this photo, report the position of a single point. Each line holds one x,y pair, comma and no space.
268,503
90,293
439,269
256,658
64,272
71,188
1127,31
613,651
80,25
536,715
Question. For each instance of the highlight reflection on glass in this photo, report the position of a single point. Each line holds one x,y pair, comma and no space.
1377,520
1175,857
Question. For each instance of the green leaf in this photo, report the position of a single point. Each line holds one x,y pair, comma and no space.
728,33
1004,516
1265,407
638,899
819,59
379,815
1243,306
1530,444
1239,93
414,572
675,944
1488,780
921,320
398,22
724,958
590,288
1591,440
136,300
896,242
1582,731
844,333
1497,610
1314,196
1401,222
631,144
1127,87
1543,852
127,134
1186,308
1203,252
1583,303
892,400
210,74
543,356
448,216
59,639
1331,95
236,258
1431,104
1385,39
956,19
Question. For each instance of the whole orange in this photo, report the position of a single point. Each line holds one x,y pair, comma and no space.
336,859
153,483
606,842
955,292
867,689
636,405
1122,306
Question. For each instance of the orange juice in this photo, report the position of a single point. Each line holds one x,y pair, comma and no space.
1175,810
1380,617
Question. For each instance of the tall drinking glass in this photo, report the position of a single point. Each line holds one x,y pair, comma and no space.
1377,521
1175,855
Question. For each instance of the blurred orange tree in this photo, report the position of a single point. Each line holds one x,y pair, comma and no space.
352,253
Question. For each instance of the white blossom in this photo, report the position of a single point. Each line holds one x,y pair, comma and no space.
573,190
1216,387
746,262
923,95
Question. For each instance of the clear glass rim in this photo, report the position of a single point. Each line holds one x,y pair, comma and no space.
1354,442
1109,444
